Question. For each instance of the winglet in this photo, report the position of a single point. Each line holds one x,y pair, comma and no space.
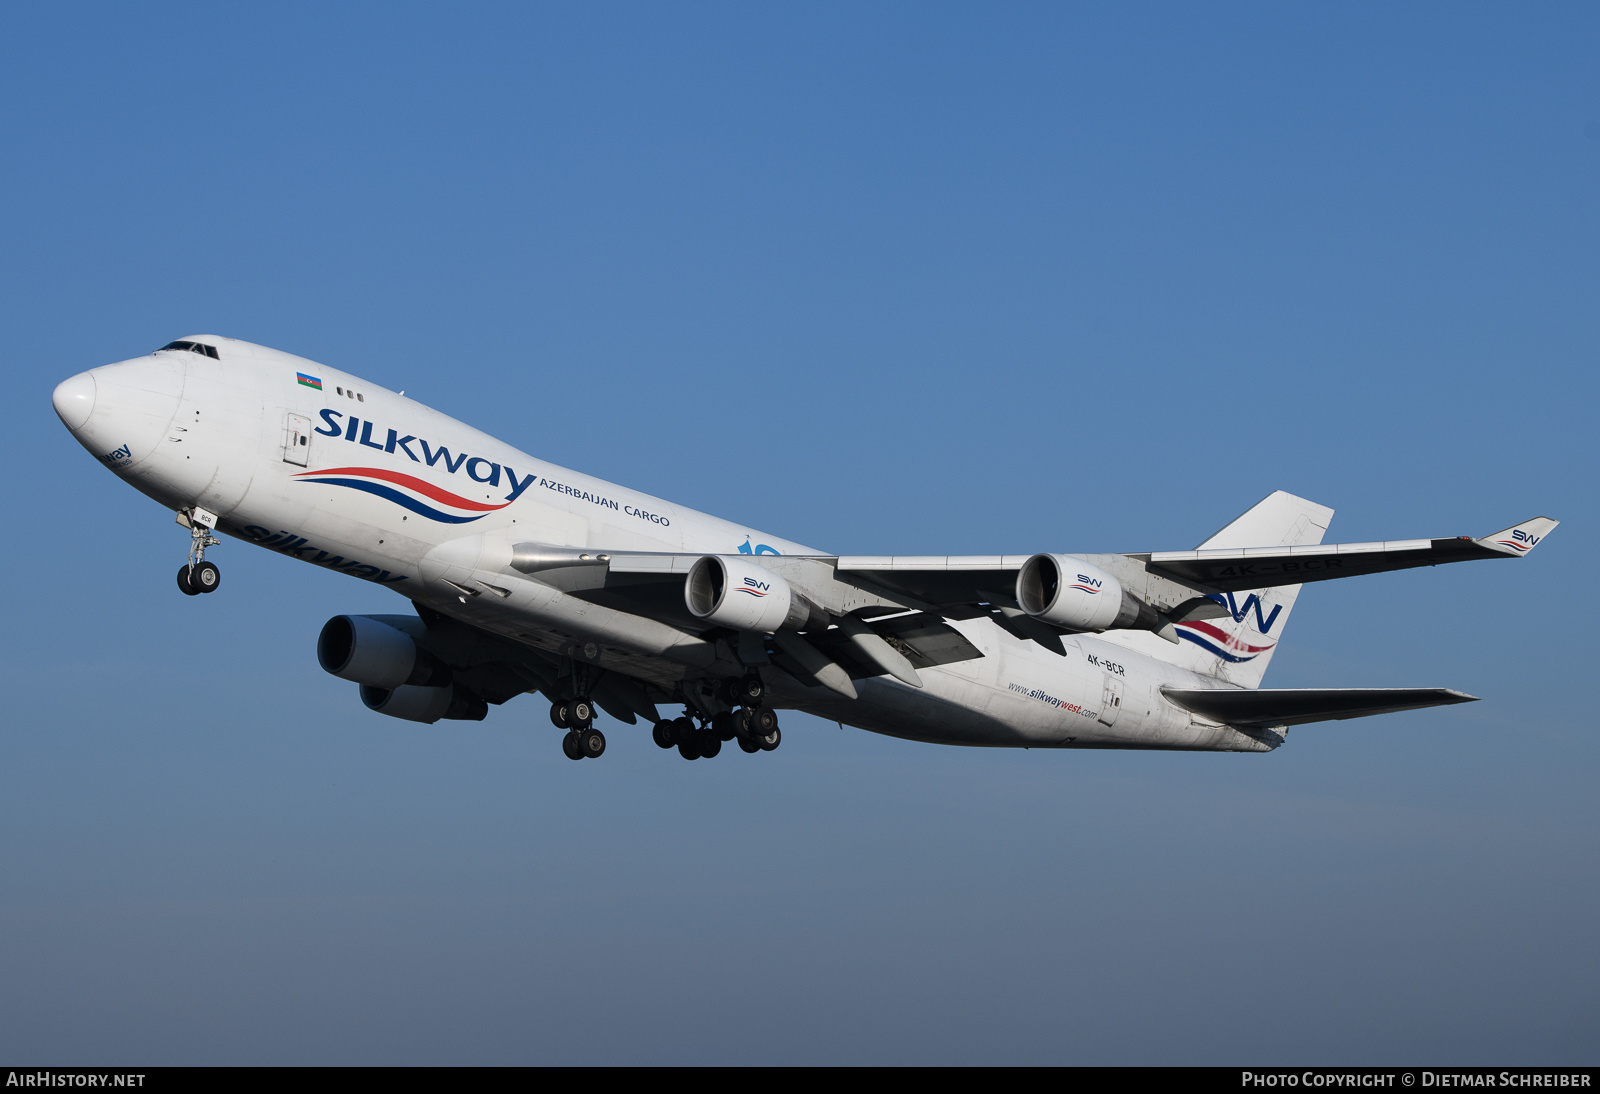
1520,539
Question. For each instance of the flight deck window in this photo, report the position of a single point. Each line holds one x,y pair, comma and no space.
194,347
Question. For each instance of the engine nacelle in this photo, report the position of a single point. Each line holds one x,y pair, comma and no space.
1074,594
369,651
424,704
742,595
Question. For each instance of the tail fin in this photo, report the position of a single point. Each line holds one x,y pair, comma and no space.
1238,646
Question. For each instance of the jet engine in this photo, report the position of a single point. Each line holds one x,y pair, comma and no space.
369,651
1074,594
737,593
425,704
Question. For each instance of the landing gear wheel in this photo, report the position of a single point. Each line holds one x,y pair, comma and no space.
205,578
725,726
570,745
183,581
689,747
762,722
746,691
710,745
592,743
771,740
559,715
750,744
581,713
662,735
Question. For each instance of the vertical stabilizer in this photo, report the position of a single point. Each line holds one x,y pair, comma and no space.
1238,646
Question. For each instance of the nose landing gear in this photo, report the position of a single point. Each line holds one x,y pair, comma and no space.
198,575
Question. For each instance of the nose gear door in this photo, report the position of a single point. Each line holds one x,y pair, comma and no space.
297,440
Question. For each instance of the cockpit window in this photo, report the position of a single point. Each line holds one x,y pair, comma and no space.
194,347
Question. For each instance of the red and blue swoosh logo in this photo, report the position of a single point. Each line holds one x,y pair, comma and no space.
1221,643
406,491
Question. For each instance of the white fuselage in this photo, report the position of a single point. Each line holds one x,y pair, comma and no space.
390,491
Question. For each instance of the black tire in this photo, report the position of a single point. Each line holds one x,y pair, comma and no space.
750,744
183,581
752,689
689,747
662,735
763,722
570,746
206,578
724,726
771,740
710,745
581,712
682,728
592,743
558,715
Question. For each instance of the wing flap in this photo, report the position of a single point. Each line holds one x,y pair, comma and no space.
1271,707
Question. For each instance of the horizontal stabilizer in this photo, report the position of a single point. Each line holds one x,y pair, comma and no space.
1271,707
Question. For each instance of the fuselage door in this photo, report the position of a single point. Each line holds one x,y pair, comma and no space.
1111,701
297,440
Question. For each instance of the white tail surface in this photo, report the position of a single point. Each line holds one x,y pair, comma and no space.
1238,647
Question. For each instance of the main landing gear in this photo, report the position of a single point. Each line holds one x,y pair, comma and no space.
696,735
198,575
576,716
753,725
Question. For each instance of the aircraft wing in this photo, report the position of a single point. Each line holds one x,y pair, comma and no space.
1175,586
1165,579
1272,707
1260,567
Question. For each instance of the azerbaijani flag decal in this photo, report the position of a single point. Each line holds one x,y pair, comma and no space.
406,491
308,381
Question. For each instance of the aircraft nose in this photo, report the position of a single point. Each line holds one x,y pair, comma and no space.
74,400
121,412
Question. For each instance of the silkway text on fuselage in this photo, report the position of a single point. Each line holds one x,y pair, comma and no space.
477,468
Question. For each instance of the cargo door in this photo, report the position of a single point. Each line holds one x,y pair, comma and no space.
1111,701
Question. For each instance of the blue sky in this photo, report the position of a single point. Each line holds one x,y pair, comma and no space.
882,278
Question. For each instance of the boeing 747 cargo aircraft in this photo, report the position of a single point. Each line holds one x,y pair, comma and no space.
523,577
